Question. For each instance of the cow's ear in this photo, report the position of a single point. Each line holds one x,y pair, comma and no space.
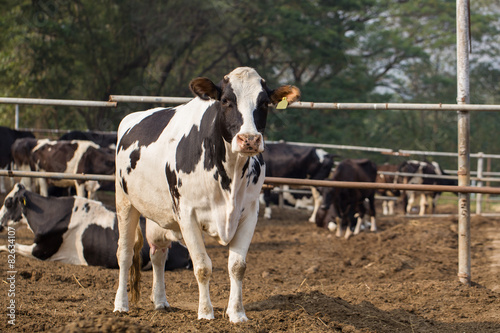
204,88
291,93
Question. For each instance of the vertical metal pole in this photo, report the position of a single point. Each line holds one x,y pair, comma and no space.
479,196
16,121
464,246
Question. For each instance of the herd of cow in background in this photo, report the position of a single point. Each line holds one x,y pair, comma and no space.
93,153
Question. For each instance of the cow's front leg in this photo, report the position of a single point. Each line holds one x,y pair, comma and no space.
202,264
423,204
238,249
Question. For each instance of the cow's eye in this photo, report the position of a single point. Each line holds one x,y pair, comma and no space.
8,203
225,102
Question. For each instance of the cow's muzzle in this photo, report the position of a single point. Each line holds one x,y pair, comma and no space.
249,144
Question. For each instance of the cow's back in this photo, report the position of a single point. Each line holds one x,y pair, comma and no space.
289,161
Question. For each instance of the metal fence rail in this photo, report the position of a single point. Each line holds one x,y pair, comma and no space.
56,175
57,102
326,106
277,180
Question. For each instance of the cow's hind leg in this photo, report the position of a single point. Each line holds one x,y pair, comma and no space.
128,219
267,200
409,204
24,250
159,246
317,199
238,249
372,213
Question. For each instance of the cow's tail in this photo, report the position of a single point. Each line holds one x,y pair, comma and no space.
135,269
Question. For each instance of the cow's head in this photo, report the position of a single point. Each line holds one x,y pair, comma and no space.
12,212
242,100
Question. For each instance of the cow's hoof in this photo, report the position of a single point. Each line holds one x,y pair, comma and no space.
120,308
207,316
162,306
237,317
332,226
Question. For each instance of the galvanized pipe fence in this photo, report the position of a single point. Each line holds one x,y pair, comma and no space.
463,124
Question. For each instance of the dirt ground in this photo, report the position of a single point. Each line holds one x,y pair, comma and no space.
299,279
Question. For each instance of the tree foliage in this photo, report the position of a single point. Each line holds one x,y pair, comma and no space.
335,51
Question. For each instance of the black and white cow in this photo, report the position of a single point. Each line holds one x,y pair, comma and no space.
73,230
347,205
7,138
294,161
77,156
419,169
107,140
196,168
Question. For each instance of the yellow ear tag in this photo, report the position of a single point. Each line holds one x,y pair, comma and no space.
23,201
283,104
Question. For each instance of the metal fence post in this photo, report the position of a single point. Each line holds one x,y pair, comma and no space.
479,196
16,119
464,246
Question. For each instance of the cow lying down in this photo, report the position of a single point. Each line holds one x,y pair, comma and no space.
75,230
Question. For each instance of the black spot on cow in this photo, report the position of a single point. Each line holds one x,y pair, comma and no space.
55,157
51,224
76,209
134,157
189,151
260,113
257,163
245,167
124,185
209,136
173,186
148,130
100,245
86,207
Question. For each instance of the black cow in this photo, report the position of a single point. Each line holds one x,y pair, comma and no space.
77,156
7,138
420,168
294,161
347,204
73,230
107,140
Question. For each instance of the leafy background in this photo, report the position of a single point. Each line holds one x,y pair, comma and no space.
335,51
